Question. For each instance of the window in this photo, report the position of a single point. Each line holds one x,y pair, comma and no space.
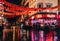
27,5
48,5
40,5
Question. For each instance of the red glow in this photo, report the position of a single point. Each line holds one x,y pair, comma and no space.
18,32
59,16
49,37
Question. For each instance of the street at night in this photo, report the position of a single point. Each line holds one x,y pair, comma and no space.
29,20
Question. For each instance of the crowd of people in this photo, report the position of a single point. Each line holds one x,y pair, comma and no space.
23,29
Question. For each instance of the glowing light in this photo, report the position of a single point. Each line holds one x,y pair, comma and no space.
39,16
48,11
32,17
42,25
51,16
0,17
59,16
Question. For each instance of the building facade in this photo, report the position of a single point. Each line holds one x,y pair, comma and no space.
41,4
59,4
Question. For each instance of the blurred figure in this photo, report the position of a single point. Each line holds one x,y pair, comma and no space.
38,26
1,20
47,28
57,30
26,28
5,31
1,29
36,29
24,35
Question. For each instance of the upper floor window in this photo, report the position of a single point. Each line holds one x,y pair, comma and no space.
48,5
27,5
40,5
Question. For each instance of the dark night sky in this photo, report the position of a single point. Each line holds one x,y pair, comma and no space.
11,20
14,1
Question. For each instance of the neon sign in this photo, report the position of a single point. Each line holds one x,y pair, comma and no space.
51,16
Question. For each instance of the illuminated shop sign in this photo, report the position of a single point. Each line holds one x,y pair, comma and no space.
51,16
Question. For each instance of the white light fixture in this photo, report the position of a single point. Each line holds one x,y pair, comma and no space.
48,11
32,17
51,16
0,17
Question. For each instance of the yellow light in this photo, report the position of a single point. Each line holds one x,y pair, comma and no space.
39,16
